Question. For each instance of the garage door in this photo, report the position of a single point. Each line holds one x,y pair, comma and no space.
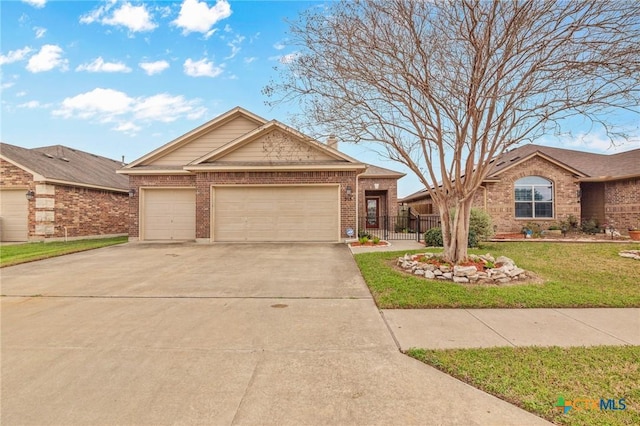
14,212
169,214
276,213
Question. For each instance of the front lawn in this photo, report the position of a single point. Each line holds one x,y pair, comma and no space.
575,275
28,252
533,378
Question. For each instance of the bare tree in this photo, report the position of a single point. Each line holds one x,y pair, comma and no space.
444,86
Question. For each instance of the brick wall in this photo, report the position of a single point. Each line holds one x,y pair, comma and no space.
501,201
85,212
389,185
88,212
622,203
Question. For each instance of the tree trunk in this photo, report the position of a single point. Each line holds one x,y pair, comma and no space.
454,217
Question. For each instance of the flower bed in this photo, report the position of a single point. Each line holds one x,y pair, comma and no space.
483,269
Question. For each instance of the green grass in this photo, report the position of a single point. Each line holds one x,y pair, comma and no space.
533,378
21,253
574,274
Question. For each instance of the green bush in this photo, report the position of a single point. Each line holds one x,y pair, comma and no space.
376,240
433,238
480,224
591,226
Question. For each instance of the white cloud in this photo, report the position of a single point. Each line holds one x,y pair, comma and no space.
235,46
128,128
285,59
598,142
36,3
33,105
156,67
21,93
105,104
15,55
99,65
39,31
198,17
166,108
250,59
7,85
48,58
128,114
201,68
279,45
134,18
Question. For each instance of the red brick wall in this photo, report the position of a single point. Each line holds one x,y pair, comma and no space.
84,211
137,181
87,212
384,184
501,200
203,181
622,203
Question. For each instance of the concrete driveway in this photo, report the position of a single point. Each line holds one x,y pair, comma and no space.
214,334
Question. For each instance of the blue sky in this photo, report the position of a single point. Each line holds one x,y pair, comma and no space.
124,77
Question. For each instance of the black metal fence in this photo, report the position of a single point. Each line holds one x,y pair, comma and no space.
411,227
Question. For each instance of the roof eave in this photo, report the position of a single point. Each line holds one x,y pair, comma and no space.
273,167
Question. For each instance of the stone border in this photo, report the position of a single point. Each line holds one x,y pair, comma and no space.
427,265
631,254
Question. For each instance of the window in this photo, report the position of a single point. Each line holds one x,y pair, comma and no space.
534,197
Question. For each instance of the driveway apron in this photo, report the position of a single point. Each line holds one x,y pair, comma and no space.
214,334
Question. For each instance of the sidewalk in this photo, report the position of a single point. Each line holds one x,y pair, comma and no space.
482,328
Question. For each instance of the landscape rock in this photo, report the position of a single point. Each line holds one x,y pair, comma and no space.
507,272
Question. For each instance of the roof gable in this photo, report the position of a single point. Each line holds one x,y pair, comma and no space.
274,143
197,142
61,164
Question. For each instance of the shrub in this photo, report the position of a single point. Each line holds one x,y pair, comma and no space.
480,224
590,226
376,240
433,238
362,233
363,240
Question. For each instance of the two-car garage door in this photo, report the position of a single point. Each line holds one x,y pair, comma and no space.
244,213
276,213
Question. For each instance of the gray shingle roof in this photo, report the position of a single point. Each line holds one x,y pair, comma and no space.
376,171
590,164
62,163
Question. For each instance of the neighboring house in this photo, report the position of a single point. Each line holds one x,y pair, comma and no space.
56,192
546,185
242,178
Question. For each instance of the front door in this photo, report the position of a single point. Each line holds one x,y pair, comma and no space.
372,212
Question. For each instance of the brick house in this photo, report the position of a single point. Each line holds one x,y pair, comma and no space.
241,178
56,192
546,185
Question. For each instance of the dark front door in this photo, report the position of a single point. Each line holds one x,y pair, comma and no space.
372,212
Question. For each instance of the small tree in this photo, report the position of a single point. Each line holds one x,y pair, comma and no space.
444,86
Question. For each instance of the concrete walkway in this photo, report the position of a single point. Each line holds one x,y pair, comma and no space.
482,328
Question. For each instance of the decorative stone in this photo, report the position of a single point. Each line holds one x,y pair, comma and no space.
419,272
505,260
447,275
464,271
630,254
515,271
503,280
429,275
457,279
437,272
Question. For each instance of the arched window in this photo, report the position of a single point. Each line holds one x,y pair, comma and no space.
534,198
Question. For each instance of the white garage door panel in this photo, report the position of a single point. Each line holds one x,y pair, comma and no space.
278,213
14,215
169,214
